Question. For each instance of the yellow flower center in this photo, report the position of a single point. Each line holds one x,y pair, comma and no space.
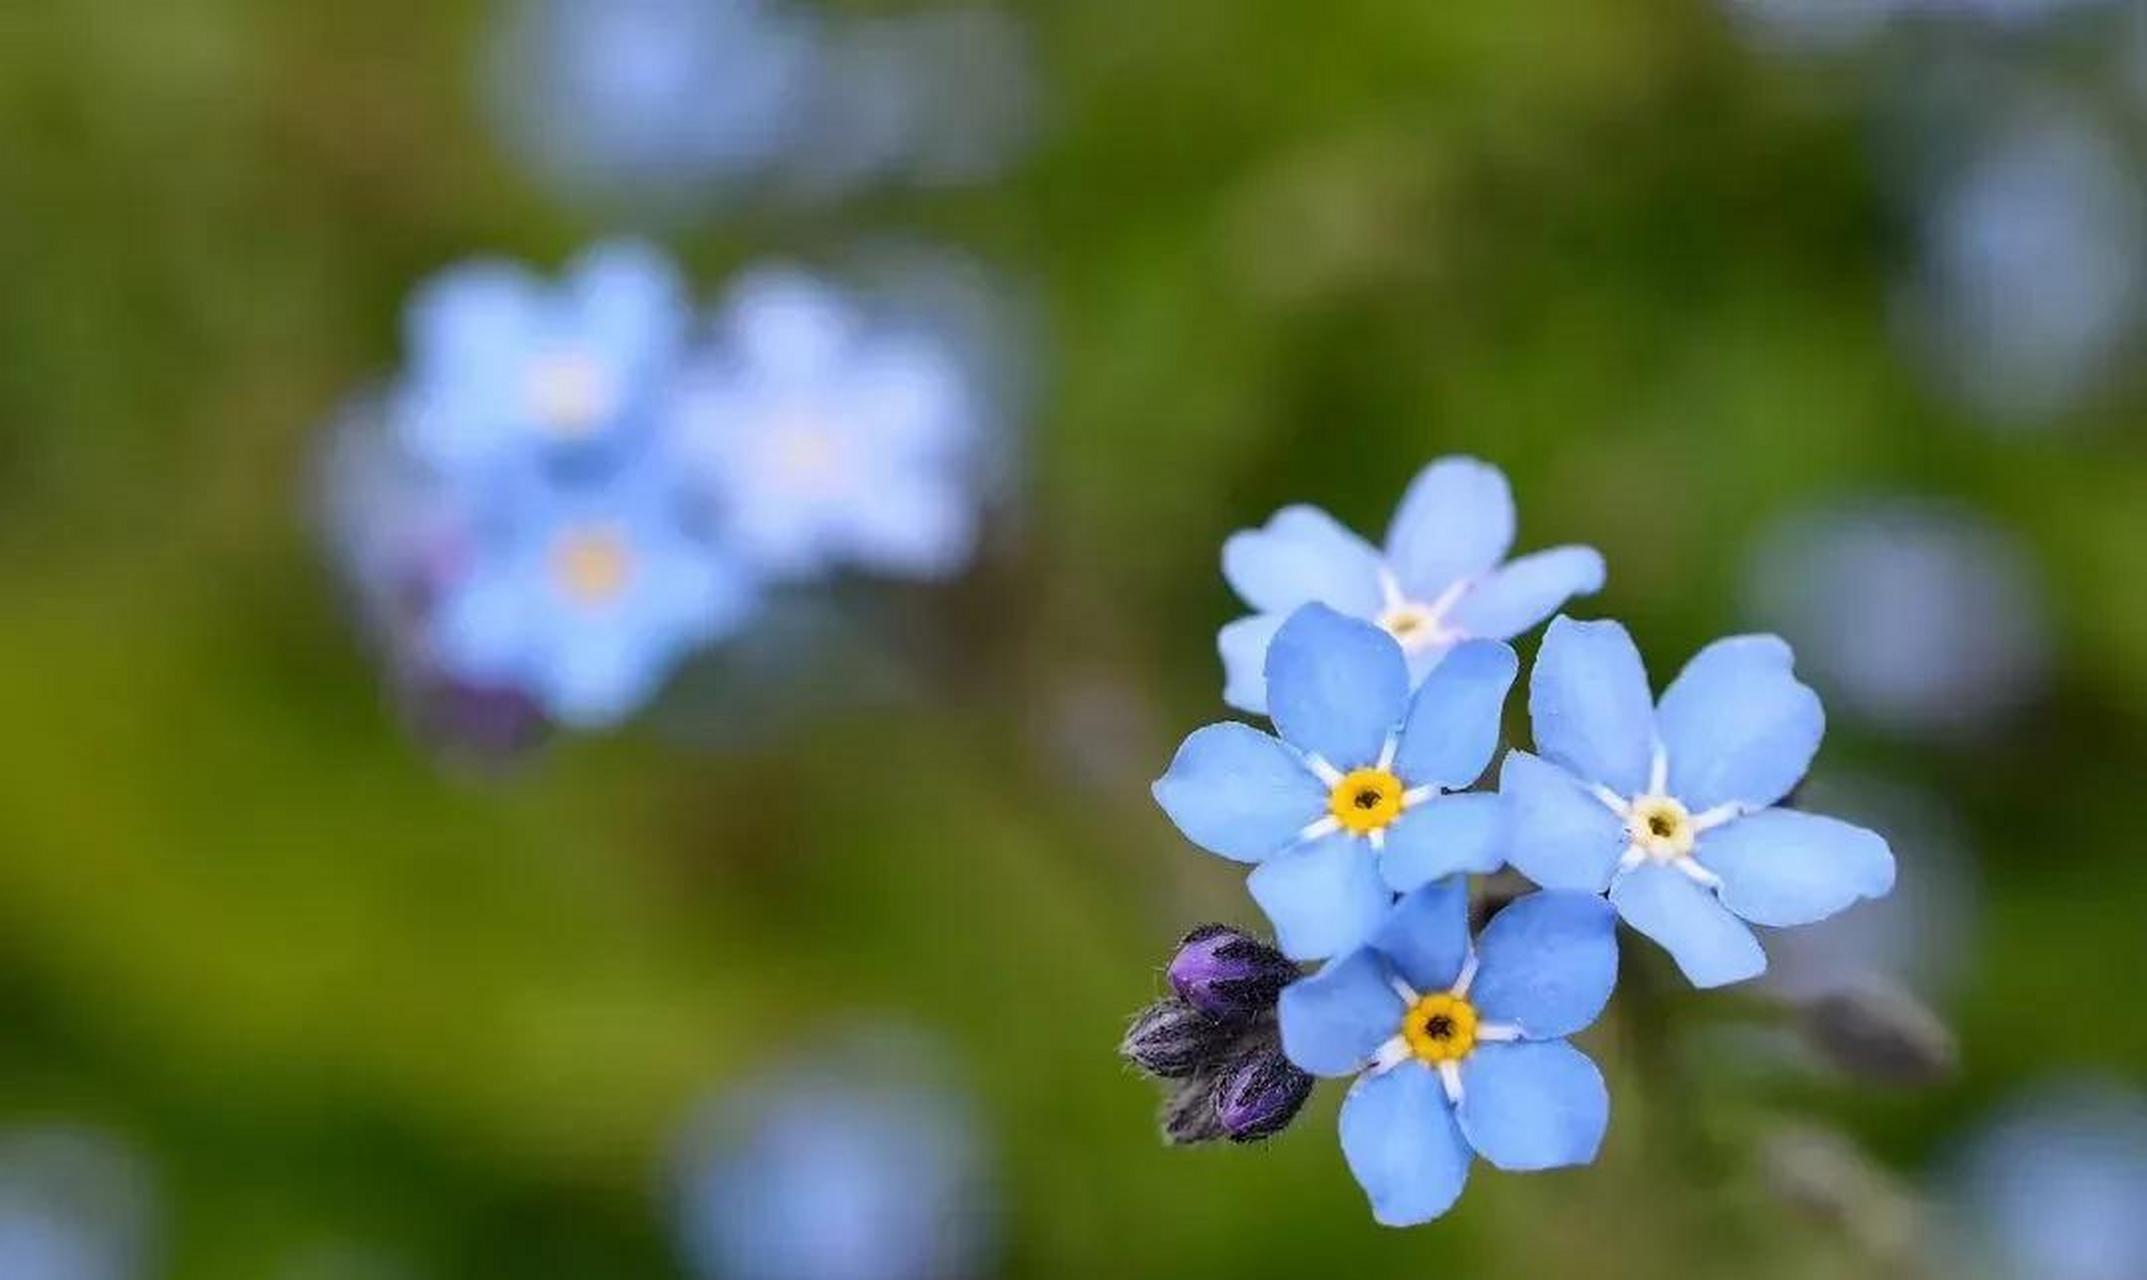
568,393
1440,1028
592,564
1662,827
1366,800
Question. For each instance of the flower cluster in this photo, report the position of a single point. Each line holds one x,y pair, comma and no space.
1385,675
572,486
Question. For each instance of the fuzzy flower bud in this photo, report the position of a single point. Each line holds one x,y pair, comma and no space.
1259,1094
1173,1040
1228,975
1189,1115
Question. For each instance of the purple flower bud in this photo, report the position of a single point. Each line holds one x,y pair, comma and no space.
1173,1040
1189,1113
1259,1093
1228,975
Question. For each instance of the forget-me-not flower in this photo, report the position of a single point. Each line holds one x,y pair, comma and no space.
1461,1051
1441,579
827,437
1347,807
1670,807
655,103
504,364
589,593
2053,1189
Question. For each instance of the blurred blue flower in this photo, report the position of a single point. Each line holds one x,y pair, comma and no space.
2054,1189
1348,806
1919,616
1440,580
828,438
587,593
653,102
74,1205
1462,1051
1670,807
2027,283
816,1176
505,365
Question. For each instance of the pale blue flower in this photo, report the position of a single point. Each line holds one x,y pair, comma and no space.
504,365
1349,805
1441,579
826,1175
1461,1050
655,103
74,1205
588,593
828,437
2054,1189
1670,808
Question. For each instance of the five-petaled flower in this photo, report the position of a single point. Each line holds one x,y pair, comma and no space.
1670,808
829,437
1441,579
1348,806
1461,1052
504,363
588,594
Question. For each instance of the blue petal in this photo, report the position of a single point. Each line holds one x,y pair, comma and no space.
1335,1020
1453,724
916,525
1443,837
1235,791
1712,946
1560,835
1738,726
604,673
1547,963
1243,645
1404,1145
1590,706
1455,522
1426,936
1523,593
1780,867
632,302
482,632
1336,687
1324,897
1533,1105
1303,556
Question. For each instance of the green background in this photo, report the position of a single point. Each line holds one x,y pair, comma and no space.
1280,252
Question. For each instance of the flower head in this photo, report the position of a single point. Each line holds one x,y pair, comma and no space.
1460,1051
503,364
2052,1188
1441,579
1348,806
1669,808
588,593
830,439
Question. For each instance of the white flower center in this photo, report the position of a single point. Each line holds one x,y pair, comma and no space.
1659,828
1416,626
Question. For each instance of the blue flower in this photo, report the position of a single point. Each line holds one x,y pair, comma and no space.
1461,1052
505,365
827,438
1442,578
1669,808
2053,1189
1347,807
655,103
588,594
824,1174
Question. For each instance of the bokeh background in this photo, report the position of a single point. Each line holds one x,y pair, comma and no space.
1821,317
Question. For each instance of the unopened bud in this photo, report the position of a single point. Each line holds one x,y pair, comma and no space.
1172,1039
1189,1115
1882,1034
1259,1094
1228,975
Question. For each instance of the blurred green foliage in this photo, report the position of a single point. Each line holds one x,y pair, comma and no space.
1282,253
